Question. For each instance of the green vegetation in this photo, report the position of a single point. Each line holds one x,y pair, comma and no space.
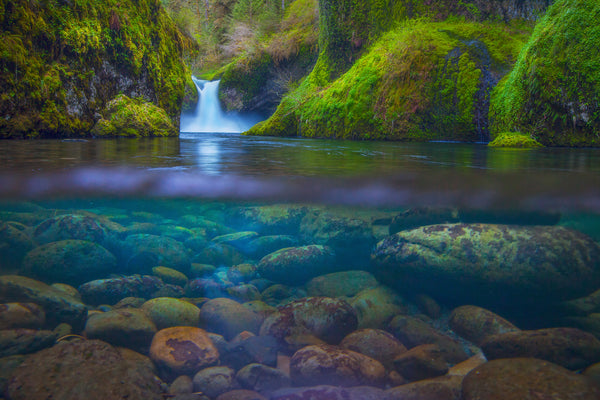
61,63
515,140
125,117
553,93
419,81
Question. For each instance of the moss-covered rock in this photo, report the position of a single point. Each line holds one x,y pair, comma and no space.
553,93
126,117
60,64
510,139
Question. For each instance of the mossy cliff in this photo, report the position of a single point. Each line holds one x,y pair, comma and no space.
553,93
62,62
407,70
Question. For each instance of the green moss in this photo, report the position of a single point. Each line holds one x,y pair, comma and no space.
61,64
553,92
515,140
125,117
420,81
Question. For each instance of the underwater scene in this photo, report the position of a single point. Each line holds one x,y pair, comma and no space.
217,266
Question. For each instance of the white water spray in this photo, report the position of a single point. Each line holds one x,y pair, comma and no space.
209,117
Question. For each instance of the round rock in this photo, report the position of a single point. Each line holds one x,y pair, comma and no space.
213,381
166,312
476,324
296,265
375,343
129,328
228,318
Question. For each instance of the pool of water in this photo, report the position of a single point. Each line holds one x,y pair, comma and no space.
213,263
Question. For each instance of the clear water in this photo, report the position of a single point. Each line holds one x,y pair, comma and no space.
187,192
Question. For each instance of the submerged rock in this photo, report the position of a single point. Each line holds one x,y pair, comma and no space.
536,263
262,378
14,244
322,318
568,347
142,252
296,265
182,351
325,364
476,324
278,219
82,369
110,291
69,261
228,317
421,362
219,254
375,343
166,312
329,392
261,246
441,388
376,307
58,306
129,328
70,226
21,315
526,379
24,341
170,276
341,284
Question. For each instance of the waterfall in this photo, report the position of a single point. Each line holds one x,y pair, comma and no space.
208,115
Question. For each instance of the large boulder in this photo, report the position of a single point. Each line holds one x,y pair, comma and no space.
58,305
127,327
526,379
296,265
521,263
69,261
14,244
70,226
82,369
166,312
111,290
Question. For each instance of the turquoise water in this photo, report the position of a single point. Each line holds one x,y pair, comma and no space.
388,232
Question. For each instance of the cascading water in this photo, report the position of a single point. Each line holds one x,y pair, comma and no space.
208,115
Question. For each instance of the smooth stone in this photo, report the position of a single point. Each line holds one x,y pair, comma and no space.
421,362
326,364
422,216
260,307
375,343
130,302
24,341
170,275
249,350
21,315
476,324
166,312
244,293
152,250
112,290
296,265
428,305
68,261
70,226
58,306
592,372
413,332
441,388
178,233
82,369
68,289
196,243
214,381
529,263
219,255
241,394
463,368
242,273
182,351
129,328
228,317
376,307
182,385
328,392
263,245
262,378
341,284
14,244
206,287
327,319
202,270
526,379
282,219
279,294
239,240
568,347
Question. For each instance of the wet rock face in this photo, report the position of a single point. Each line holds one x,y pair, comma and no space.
69,261
325,319
320,364
88,369
569,347
182,350
521,262
526,379
296,265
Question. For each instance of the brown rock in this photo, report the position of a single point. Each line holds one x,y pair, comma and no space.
228,318
181,385
24,341
82,369
328,392
339,284
262,378
376,307
593,372
526,379
421,362
241,394
21,315
375,343
414,332
441,388
127,327
569,347
213,381
476,324
183,350
320,364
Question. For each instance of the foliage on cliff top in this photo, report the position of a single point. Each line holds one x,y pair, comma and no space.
60,63
553,92
417,82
